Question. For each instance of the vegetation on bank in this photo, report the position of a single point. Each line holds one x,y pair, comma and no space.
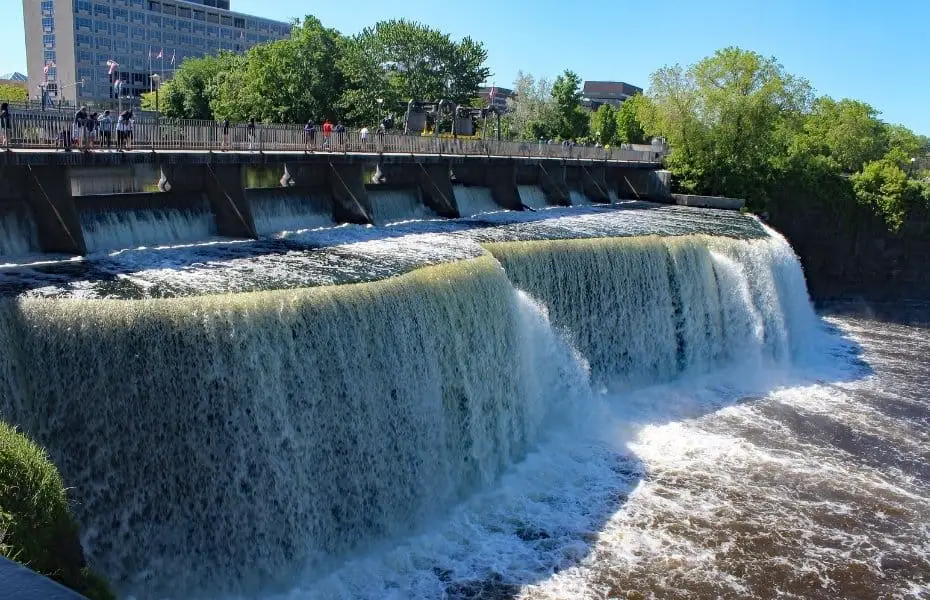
36,527
737,122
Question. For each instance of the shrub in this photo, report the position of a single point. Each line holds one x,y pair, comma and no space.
36,528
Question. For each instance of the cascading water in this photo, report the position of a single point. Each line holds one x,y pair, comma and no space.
222,444
395,206
533,196
121,229
474,200
276,211
578,198
17,233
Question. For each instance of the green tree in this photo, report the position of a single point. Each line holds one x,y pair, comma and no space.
848,130
571,122
12,93
884,185
531,114
401,60
604,124
906,141
630,117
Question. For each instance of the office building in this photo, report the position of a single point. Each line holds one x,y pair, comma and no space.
69,42
496,96
596,93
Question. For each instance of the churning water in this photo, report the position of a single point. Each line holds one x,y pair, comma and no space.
118,229
397,205
533,196
276,211
17,234
598,403
474,200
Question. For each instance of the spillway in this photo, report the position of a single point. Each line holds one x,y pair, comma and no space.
121,229
398,205
474,200
263,423
578,198
276,211
17,233
533,196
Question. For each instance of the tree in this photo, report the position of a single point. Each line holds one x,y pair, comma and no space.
848,130
885,186
906,141
402,60
604,124
531,113
570,119
630,118
12,93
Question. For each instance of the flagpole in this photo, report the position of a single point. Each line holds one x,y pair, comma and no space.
151,87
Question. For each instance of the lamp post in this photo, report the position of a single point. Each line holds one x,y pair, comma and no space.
379,101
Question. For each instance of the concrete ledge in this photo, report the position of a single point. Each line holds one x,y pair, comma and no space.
16,581
709,201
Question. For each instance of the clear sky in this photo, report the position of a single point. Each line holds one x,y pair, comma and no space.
873,51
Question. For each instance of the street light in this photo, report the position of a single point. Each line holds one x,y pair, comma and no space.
380,101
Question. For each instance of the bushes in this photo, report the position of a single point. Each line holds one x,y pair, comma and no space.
36,528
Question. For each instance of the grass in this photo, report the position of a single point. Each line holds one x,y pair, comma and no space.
36,527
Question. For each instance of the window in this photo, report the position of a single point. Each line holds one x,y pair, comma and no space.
198,42
154,35
184,26
227,46
83,6
138,33
82,39
154,6
184,11
138,48
137,17
224,4
253,38
226,34
213,30
85,73
48,24
168,23
251,24
103,43
154,21
138,3
48,7
120,14
102,27
169,9
184,39
49,56
120,29
83,23
199,15
213,18
121,46
169,38
226,20
199,29
263,26
101,10
239,23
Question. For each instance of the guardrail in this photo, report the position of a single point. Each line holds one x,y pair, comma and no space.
56,131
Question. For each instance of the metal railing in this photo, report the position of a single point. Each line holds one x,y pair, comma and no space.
52,130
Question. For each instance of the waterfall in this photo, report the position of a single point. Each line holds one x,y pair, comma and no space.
533,196
474,200
121,229
17,233
647,309
278,210
222,438
393,206
578,198
221,443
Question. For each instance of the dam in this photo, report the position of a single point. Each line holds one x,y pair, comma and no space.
274,378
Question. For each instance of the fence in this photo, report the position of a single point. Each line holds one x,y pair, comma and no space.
52,130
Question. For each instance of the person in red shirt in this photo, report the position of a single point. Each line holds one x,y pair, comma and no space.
327,133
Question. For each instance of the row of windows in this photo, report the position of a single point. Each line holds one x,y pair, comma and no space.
82,24
121,14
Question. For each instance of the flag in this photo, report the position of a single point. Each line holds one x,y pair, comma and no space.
113,65
45,69
161,54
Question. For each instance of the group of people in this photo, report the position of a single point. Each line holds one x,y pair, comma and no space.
88,129
328,131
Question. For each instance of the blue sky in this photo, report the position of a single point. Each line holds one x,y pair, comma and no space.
871,51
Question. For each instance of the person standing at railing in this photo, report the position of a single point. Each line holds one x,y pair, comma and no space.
340,134
226,134
105,125
309,135
250,130
91,125
327,134
6,125
79,128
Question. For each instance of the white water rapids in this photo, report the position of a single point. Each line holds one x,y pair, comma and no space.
575,418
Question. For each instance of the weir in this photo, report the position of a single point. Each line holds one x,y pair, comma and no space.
53,190
230,438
